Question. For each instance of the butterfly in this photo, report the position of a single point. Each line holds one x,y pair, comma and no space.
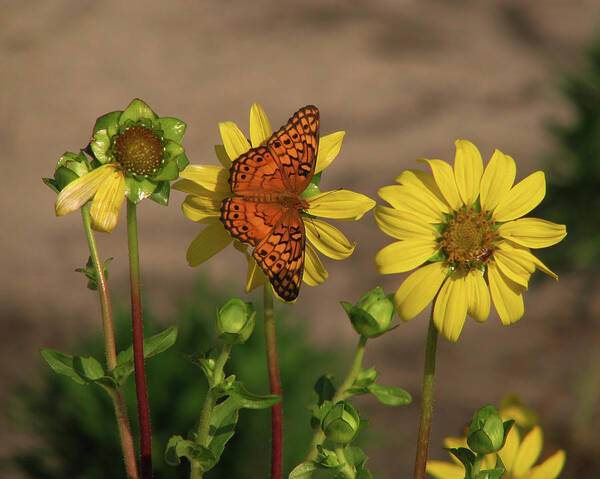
265,209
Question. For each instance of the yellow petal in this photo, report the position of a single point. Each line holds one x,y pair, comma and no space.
412,201
327,239
497,180
222,156
213,178
550,468
521,198
445,470
528,454
513,264
508,453
260,128
427,186
533,232
506,295
78,192
234,141
209,242
107,202
255,277
404,255
455,443
329,147
403,225
314,271
468,168
450,308
201,208
443,175
479,296
418,290
340,205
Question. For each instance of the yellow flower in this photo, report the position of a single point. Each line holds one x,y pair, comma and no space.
518,456
463,227
207,186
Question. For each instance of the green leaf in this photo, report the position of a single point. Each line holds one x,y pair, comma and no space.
162,193
249,400
355,456
89,368
61,364
303,470
390,395
363,474
90,272
324,388
153,345
222,425
108,122
168,172
178,447
136,110
465,456
182,161
173,129
51,183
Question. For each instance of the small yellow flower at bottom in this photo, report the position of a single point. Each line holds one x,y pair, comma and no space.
460,227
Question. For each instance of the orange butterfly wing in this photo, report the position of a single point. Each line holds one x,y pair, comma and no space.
265,212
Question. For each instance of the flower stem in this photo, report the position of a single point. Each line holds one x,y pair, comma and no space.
426,401
138,344
275,385
208,407
340,395
111,350
346,470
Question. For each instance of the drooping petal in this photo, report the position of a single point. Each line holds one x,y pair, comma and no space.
468,168
340,205
403,225
201,208
314,271
533,232
508,453
450,308
425,183
78,192
412,201
222,156
327,239
521,198
403,256
260,128
479,296
209,242
329,147
550,468
445,470
234,141
513,264
417,291
213,178
506,295
497,180
530,449
107,202
443,175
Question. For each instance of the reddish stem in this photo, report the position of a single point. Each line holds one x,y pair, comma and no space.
138,345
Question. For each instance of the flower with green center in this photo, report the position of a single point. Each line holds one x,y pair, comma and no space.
463,227
135,155
207,186
518,456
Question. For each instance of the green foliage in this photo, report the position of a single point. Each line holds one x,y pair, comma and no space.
76,426
572,195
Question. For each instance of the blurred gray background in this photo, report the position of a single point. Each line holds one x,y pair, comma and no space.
403,78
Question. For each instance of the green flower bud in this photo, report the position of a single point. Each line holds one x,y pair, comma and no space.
235,321
486,432
341,423
69,167
372,315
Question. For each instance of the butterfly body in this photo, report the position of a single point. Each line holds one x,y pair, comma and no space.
265,208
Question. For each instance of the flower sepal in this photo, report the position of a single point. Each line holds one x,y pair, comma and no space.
341,424
372,314
487,432
90,272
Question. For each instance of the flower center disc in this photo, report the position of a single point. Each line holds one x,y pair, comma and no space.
468,240
139,150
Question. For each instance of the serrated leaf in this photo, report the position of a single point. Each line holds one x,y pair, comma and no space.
249,400
390,395
62,364
304,469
